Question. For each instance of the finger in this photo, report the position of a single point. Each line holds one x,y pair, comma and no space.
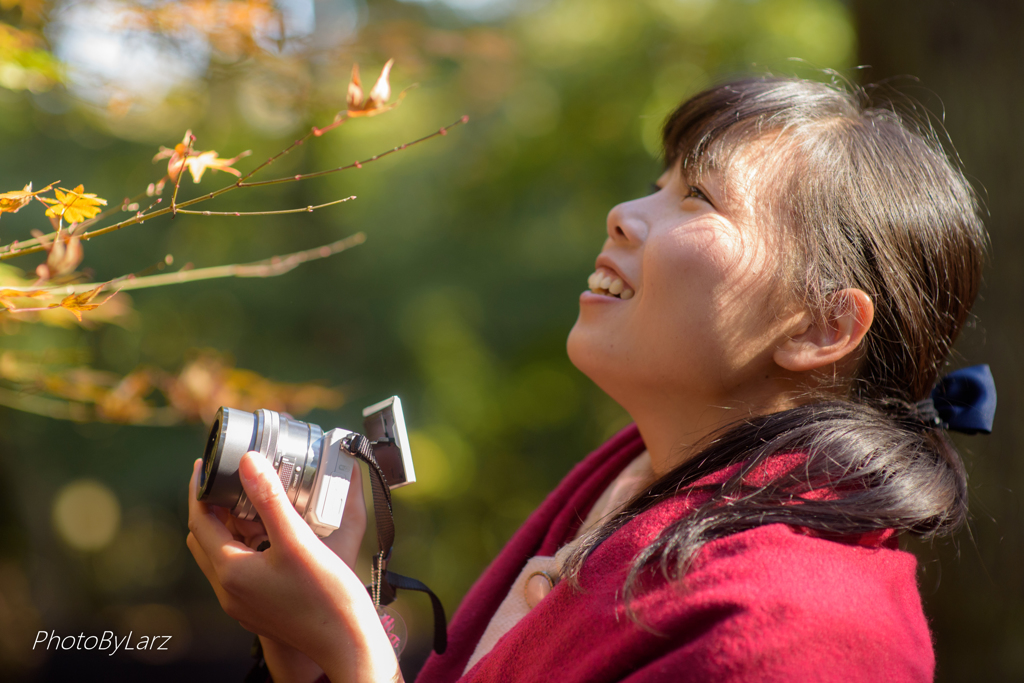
262,485
202,559
204,523
249,527
249,531
209,571
355,506
345,541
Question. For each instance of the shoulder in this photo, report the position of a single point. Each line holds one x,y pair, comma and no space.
773,603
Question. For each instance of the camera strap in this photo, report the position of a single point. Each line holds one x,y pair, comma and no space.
384,584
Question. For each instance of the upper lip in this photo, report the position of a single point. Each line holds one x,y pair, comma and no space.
604,261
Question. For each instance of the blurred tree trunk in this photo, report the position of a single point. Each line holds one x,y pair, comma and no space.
969,57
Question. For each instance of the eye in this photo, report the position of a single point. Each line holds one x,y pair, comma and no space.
694,192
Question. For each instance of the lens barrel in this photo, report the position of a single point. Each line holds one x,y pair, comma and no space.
292,447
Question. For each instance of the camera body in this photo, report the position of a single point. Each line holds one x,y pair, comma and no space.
315,467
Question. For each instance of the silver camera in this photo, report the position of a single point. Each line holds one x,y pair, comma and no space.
315,467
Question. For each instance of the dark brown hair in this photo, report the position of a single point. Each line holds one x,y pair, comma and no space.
865,197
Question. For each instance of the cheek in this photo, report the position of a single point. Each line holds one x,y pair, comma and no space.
706,295
684,274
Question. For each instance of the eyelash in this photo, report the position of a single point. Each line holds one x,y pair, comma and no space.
693,192
696,193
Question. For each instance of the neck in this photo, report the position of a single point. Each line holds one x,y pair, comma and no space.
676,431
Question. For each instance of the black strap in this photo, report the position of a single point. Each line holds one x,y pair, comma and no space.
361,447
440,622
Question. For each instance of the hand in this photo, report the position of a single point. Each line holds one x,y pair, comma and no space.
345,541
298,592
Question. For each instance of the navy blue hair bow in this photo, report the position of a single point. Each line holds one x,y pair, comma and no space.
963,401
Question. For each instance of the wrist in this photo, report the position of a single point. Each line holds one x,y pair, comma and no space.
287,664
368,658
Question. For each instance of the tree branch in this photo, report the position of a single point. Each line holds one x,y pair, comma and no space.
34,246
272,267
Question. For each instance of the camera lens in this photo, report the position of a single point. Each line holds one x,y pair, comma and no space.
292,447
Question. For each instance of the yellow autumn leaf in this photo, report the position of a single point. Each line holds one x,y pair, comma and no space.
196,162
11,201
73,206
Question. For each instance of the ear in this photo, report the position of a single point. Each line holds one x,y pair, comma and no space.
815,342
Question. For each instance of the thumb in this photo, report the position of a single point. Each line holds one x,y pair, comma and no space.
262,485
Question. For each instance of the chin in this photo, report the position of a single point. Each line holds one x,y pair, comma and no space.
592,354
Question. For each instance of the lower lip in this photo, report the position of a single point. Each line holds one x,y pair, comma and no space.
588,297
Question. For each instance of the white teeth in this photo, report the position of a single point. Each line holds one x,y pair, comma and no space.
601,282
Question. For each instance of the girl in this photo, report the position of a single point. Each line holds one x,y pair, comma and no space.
774,318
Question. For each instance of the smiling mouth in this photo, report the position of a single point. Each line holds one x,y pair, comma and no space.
607,283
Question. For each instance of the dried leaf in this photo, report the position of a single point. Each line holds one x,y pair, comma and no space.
7,294
381,91
377,101
73,206
197,162
11,202
64,256
355,90
78,303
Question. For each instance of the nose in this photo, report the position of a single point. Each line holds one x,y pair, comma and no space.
626,223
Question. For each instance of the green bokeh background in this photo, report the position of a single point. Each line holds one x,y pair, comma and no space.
460,301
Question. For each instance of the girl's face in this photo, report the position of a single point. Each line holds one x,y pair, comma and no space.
698,313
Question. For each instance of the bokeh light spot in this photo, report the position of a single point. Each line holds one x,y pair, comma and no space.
86,514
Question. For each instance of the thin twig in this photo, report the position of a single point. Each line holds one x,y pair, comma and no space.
305,209
355,164
272,267
79,412
47,407
33,246
314,131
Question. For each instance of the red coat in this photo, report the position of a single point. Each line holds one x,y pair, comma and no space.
769,604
